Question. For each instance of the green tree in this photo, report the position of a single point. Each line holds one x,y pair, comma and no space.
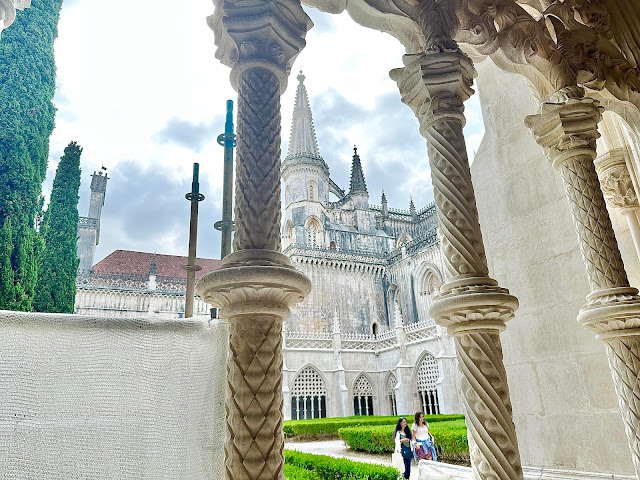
56,288
27,86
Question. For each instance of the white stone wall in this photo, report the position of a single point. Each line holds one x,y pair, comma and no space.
565,409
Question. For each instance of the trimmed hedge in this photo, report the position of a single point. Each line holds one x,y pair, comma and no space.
324,428
450,436
291,472
329,468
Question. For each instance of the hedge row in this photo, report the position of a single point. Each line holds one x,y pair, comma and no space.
329,468
450,436
322,428
291,472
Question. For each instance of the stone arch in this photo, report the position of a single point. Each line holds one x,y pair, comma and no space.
308,394
390,384
288,238
427,377
393,304
362,395
428,283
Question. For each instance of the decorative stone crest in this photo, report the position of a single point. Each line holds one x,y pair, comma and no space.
255,33
615,180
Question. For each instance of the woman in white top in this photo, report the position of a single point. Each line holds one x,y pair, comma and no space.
422,437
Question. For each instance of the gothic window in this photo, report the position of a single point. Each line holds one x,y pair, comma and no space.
391,393
313,232
309,395
332,245
428,373
362,396
313,191
288,235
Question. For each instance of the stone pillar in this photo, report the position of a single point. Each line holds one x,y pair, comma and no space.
405,391
618,189
567,128
256,284
472,306
342,408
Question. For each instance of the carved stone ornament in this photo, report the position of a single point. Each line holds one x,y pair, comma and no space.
615,180
257,33
8,11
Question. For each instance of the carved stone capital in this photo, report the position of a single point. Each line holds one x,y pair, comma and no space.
615,180
474,308
567,129
254,282
258,34
435,84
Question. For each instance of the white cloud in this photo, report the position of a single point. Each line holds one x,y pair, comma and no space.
141,91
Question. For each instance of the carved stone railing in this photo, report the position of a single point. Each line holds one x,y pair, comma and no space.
88,222
415,332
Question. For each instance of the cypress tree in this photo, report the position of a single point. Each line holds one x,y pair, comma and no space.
56,288
27,86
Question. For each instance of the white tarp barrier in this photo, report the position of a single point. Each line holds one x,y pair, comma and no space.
111,398
428,470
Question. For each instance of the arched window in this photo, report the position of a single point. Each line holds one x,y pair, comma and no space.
313,191
309,395
332,245
288,235
313,232
362,396
427,377
391,393
374,328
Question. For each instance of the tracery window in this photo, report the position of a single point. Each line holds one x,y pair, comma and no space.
392,382
428,374
362,396
313,232
309,395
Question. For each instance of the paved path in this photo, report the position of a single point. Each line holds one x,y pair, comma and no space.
338,449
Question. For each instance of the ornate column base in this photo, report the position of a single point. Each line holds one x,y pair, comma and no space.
475,310
614,314
254,289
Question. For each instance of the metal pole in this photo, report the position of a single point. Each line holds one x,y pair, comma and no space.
194,196
228,141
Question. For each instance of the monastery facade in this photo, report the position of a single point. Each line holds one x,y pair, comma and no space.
362,342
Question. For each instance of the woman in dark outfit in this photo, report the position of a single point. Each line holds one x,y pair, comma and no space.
402,438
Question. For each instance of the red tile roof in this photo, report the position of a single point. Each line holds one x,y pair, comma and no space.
130,263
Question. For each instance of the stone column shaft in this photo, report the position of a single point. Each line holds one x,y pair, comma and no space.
256,284
567,128
470,304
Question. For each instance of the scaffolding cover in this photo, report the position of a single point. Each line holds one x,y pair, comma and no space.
105,398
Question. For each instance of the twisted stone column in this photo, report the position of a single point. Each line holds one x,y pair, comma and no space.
471,305
567,129
256,284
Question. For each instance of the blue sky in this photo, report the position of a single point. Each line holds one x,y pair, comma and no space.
141,91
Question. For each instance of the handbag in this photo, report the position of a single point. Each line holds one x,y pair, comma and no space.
406,451
396,461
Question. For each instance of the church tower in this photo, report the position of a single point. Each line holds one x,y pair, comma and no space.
306,178
89,226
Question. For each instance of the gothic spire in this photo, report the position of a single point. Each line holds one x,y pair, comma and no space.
302,142
412,206
358,185
384,197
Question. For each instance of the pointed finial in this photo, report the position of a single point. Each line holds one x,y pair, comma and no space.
301,77
384,197
355,150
